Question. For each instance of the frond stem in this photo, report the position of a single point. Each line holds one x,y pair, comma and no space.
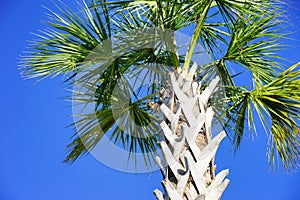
195,36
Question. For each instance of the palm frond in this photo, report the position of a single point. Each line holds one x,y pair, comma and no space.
281,98
278,107
253,44
112,87
237,112
62,48
119,113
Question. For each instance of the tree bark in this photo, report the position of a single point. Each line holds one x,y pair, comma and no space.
187,146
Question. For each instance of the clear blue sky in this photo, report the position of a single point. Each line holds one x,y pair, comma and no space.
33,134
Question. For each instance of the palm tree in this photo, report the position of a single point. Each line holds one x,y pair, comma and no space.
112,50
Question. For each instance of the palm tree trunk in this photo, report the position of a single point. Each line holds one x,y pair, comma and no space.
187,146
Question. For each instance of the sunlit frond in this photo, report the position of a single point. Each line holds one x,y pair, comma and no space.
253,44
63,47
278,106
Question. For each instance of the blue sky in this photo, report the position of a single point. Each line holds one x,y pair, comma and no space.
33,134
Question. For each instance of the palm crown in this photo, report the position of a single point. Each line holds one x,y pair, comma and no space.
239,35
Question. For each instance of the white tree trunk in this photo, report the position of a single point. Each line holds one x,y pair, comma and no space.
187,146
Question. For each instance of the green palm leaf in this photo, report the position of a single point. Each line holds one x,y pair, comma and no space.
71,37
253,44
278,104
